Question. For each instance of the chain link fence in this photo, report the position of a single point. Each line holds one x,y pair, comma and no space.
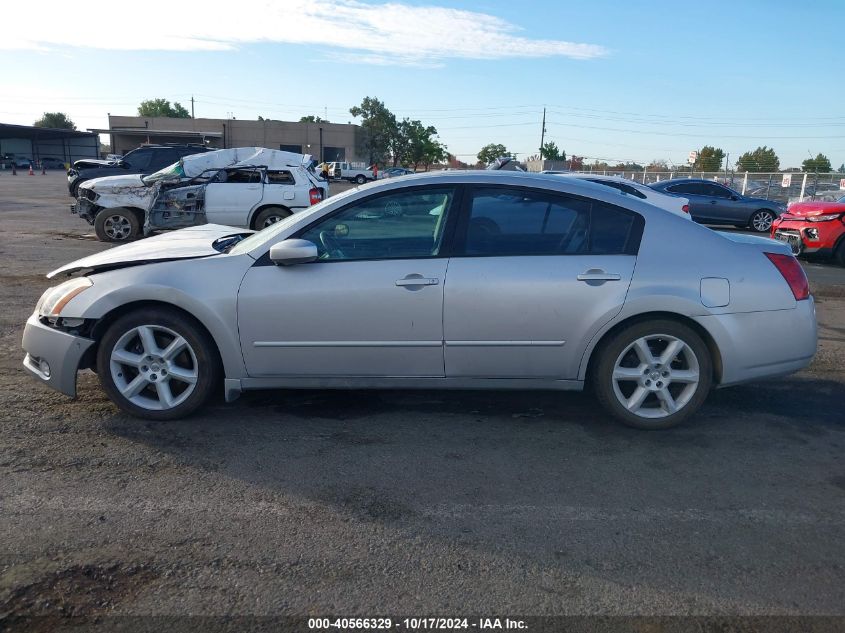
783,187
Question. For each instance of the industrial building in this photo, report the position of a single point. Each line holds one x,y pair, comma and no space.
324,141
32,143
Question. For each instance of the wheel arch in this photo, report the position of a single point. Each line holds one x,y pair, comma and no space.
102,324
592,352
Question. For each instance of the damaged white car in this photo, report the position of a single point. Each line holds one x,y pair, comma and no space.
251,187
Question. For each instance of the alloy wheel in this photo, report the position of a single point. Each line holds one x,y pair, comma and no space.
117,227
656,376
154,367
762,221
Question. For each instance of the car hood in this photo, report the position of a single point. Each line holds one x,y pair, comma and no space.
110,183
809,209
190,243
93,162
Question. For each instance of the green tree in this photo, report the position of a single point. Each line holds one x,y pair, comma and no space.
841,169
416,144
709,159
162,108
312,119
762,159
550,151
55,120
491,152
380,130
820,163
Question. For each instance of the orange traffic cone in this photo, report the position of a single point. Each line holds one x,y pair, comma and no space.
31,173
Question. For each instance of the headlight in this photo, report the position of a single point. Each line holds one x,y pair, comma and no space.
822,218
53,301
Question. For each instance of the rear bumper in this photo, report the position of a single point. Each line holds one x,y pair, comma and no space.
757,345
61,351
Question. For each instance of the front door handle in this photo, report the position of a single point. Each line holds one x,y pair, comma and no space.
417,280
598,275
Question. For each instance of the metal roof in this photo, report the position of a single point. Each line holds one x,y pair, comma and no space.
10,130
135,131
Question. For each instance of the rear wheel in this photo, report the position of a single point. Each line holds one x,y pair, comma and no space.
654,374
761,221
157,364
117,225
839,253
269,216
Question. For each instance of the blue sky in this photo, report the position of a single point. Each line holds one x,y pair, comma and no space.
621,80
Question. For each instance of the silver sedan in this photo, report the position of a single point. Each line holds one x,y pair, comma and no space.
455,280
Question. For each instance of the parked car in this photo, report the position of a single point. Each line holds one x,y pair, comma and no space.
674,203
17,160
50,162
147,159
465,279
713,203
251,187
814,228
342,170
395,172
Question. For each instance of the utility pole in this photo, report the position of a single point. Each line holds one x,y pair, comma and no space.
192,107
543,135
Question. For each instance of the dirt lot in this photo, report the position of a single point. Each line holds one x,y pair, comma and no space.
408,503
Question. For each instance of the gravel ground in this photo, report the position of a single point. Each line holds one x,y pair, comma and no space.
291,503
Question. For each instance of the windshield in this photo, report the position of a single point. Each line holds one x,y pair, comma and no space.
268,235
168,173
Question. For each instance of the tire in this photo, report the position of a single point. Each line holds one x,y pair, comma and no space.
655,409
360,179
269,216
74,188
126,365
839,253
761,220
117,225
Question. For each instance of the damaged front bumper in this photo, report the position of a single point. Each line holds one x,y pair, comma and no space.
53,357
85,209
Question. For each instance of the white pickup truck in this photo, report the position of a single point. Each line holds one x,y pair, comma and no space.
250,187
353,172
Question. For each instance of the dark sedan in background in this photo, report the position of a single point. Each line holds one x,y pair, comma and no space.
713,203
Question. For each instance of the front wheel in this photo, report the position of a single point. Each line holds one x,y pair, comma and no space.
157,364
360,179
117,225
654,374
761,221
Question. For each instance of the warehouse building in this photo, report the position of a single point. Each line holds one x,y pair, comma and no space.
30,143
324,141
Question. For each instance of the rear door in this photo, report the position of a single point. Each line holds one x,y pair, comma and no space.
286,188
232,195
701,205
534,277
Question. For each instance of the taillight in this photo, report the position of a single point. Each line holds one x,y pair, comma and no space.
316,195
792,272
685,208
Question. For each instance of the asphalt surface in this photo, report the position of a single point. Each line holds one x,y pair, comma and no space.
415,503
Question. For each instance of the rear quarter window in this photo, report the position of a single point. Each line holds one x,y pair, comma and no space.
280,178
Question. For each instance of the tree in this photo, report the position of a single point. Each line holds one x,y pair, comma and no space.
491,152
658,164
55,120
762,159
709,158
162,108
312,119
416,144
380,129
841,169
820,163
550,151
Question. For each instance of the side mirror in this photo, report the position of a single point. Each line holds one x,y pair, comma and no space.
123,163
290,252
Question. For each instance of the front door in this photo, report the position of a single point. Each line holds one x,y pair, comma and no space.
232,194
533,279
371,305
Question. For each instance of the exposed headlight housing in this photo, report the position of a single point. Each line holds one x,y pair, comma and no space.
53,301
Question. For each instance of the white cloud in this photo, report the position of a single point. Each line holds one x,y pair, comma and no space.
392,33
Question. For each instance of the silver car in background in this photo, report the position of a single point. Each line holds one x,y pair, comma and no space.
459,280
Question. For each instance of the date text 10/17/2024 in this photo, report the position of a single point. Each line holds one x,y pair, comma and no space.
414,624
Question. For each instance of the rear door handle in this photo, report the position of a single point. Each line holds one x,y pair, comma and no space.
598,275
418,281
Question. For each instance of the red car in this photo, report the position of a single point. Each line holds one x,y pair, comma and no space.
814,228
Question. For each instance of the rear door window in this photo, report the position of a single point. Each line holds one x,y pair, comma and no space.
515,222
688,188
